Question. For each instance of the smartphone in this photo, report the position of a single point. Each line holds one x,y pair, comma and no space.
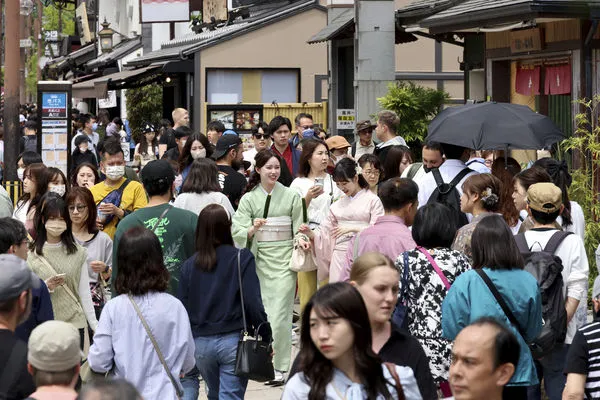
319,182
59,276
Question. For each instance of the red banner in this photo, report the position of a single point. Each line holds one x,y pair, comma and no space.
558,79
528,81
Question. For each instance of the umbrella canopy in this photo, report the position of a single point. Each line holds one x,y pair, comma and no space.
494,126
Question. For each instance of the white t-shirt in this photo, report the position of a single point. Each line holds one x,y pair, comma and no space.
449,169
195,202
575,266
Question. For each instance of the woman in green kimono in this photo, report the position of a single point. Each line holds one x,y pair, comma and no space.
266,221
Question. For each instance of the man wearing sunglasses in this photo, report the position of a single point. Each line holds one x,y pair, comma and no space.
262,140
303,122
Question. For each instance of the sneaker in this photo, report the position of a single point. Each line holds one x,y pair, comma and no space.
279,379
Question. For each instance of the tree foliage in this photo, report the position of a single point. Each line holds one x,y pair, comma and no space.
415,105
50,20
144,104
585,144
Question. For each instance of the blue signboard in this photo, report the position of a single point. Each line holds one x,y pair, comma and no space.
54,105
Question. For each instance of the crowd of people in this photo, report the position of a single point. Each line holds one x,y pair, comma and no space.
461,275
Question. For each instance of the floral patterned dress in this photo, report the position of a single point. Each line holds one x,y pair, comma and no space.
426,292
462,242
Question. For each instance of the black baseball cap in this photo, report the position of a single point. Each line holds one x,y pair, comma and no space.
157,170
226,143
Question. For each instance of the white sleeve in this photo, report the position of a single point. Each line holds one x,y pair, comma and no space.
409,383
580,270
578,220
296,388
227,205
85,296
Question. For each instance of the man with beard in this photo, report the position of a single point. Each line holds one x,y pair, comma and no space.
16,283
229,156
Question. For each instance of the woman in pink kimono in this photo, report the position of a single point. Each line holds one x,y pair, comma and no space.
353,212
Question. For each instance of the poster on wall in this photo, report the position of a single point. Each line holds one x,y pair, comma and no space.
237,117
165,11
54,143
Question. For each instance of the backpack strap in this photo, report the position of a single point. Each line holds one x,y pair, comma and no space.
499,299
353,149
459,177
11,371
440,181
413,170
555,241
119,190
522,243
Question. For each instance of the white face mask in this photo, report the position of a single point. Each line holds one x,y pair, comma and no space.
115,172
83,149
58,189
55,228
20,173
183,143
198,154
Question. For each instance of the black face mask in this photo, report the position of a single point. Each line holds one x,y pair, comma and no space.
426,169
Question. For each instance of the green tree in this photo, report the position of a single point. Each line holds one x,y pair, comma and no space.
50,20
585,145
144,104
31,77
415,105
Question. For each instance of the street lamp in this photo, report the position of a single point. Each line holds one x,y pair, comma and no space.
106,37
26,7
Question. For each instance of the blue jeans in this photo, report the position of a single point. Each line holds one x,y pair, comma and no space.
551,368
215,359
191,385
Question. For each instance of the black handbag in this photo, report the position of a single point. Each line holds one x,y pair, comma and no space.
253,358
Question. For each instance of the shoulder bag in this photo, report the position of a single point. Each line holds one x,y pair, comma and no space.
435,267
397,384
178,389
302,260
253,356
498,296
401,311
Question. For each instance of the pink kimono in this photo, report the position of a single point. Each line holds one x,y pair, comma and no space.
359,212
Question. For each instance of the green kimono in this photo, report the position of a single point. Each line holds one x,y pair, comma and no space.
277,281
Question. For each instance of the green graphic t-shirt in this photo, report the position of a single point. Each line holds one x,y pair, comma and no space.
176,232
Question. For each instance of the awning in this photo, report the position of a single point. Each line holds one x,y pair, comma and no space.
339,24
96,88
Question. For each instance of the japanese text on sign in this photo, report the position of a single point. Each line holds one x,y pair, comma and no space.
346,119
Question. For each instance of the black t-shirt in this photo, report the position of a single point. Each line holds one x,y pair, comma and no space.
403,349
21,385
232,183
582,357
168,138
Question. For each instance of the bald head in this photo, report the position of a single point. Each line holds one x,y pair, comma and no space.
485,355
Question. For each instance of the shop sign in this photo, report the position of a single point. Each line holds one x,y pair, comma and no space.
525,41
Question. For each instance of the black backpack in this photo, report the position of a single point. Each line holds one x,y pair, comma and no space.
448,195
547,268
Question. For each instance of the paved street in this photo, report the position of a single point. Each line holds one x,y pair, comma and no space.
259,391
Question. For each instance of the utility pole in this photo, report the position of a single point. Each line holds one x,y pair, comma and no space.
11,92
39,38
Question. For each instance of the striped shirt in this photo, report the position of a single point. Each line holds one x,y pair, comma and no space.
584,357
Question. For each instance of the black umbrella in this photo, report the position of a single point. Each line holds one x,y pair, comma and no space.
494,126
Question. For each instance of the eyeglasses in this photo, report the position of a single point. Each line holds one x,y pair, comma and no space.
263,136
372,172
78,207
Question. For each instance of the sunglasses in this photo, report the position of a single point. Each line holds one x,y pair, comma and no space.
308,127
263,136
